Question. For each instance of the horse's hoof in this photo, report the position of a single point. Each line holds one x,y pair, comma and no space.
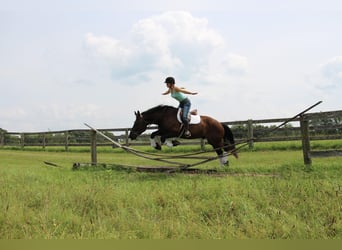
226,164
158,147
175,143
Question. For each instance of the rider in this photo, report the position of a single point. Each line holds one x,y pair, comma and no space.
184,102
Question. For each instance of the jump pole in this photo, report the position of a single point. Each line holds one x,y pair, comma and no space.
134,151
295,117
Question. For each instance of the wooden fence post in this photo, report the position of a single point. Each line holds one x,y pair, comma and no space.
126,137
22,140
66,141
2,138
44,141
304,127
250,134
93,147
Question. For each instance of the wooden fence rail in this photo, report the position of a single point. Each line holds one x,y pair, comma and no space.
305,130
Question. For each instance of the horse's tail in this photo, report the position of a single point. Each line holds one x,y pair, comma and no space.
229,142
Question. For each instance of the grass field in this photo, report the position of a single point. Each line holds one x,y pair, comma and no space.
266,194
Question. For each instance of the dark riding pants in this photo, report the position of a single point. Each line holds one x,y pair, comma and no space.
185,105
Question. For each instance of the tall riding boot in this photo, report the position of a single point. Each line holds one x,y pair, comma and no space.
187,131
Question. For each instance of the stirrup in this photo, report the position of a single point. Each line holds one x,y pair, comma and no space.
187,133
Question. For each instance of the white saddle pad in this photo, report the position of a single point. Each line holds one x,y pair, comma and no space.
195,119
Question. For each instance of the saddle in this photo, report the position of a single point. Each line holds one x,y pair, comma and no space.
193,116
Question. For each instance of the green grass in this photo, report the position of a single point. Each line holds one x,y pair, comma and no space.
258,146
280,201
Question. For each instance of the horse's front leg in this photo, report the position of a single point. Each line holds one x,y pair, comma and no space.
155,140
172,143
166,138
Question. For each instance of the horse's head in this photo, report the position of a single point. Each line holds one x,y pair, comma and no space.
139,126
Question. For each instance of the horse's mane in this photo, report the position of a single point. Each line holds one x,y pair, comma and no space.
159,108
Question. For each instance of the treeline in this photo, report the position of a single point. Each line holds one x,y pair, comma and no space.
330,126
72,137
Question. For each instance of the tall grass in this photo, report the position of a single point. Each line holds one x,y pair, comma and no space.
44,202
258,146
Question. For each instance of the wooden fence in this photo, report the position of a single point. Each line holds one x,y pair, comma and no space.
311,126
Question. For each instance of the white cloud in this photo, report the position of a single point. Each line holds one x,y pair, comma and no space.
332,72
174,43
233,64
51,116
107,47
328,75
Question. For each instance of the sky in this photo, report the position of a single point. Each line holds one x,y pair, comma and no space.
68,62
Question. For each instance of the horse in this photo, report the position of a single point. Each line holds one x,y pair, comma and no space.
218,135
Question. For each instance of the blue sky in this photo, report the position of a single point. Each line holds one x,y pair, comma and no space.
64,63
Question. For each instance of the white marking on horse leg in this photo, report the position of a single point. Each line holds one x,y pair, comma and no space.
169,143
224,159
153,142
158,139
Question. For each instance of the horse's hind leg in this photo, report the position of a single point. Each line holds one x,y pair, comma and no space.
223,157
229,142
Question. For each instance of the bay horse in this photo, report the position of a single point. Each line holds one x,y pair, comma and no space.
218,135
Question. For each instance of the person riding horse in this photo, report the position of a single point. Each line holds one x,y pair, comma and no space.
217,134
184,102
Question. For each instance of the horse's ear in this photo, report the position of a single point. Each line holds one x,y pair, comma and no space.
137,113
